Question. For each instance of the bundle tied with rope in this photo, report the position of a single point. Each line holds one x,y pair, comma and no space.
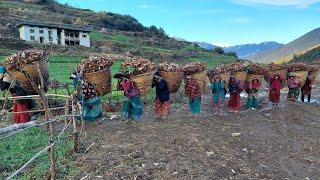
299,70
314,70
24,64
237,69
96,70
140,71
255,71
222,71
173,74
276,69
197,71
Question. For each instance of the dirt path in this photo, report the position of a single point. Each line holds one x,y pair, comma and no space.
273,144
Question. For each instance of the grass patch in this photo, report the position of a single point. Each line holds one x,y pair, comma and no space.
17,150
2,58
62,66
213,59
120,38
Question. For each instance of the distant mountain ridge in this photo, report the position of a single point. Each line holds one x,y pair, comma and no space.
207,46
245,50
286,53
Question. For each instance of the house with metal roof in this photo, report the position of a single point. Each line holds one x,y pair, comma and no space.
62,34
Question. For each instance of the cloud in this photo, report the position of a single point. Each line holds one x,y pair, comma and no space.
143,6
241,20
222,44
298,3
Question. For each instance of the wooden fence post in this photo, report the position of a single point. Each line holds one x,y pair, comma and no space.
40,90
75,132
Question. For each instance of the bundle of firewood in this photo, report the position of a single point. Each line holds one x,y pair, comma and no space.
298,67
274,67
22,58
313,68
169,67
236,67
217,70
136,66
94,64
257,69
194,68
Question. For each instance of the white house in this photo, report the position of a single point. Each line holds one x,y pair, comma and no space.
63,34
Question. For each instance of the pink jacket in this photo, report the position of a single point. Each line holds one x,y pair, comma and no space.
130,90
275,83
293,83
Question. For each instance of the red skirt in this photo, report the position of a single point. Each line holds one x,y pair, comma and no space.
274,96
162,108
21,117
234,101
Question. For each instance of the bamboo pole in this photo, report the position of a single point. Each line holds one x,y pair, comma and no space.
44,100
66,112
75,132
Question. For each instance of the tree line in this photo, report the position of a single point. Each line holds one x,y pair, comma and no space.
309,57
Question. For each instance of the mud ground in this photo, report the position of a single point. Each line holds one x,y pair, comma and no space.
273,143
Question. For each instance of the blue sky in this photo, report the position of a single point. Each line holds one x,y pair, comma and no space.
221,22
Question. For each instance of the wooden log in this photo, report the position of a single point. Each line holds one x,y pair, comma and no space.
16,127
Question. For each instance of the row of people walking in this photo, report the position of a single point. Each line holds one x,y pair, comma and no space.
132,107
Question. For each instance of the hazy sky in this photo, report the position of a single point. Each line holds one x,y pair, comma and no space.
222,22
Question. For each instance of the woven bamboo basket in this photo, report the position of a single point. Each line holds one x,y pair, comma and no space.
250,77
301,75
240,75
201,79
144,82
282,72
101,80
31,69
315,76
173,79
224,76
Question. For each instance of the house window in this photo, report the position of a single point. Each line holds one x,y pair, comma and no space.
84,36
50,35
31,30
41,31
32,38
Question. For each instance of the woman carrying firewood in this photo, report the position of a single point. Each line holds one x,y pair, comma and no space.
293,85
162,102
234,90
252,89
192,90
132,106
218,93
307,88
88,97
274,88
20,106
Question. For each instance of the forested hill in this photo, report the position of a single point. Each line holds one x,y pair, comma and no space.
311,56
113,33
13,11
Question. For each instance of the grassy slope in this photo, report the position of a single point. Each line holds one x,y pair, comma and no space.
156,48
17,150
289,58
299,46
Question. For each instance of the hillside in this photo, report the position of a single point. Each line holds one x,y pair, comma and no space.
286,53
311,56
246,50
113,33
207,46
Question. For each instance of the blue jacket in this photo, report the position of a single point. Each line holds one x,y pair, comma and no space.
234,87
162,90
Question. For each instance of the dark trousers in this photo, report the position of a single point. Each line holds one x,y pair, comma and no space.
302,97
